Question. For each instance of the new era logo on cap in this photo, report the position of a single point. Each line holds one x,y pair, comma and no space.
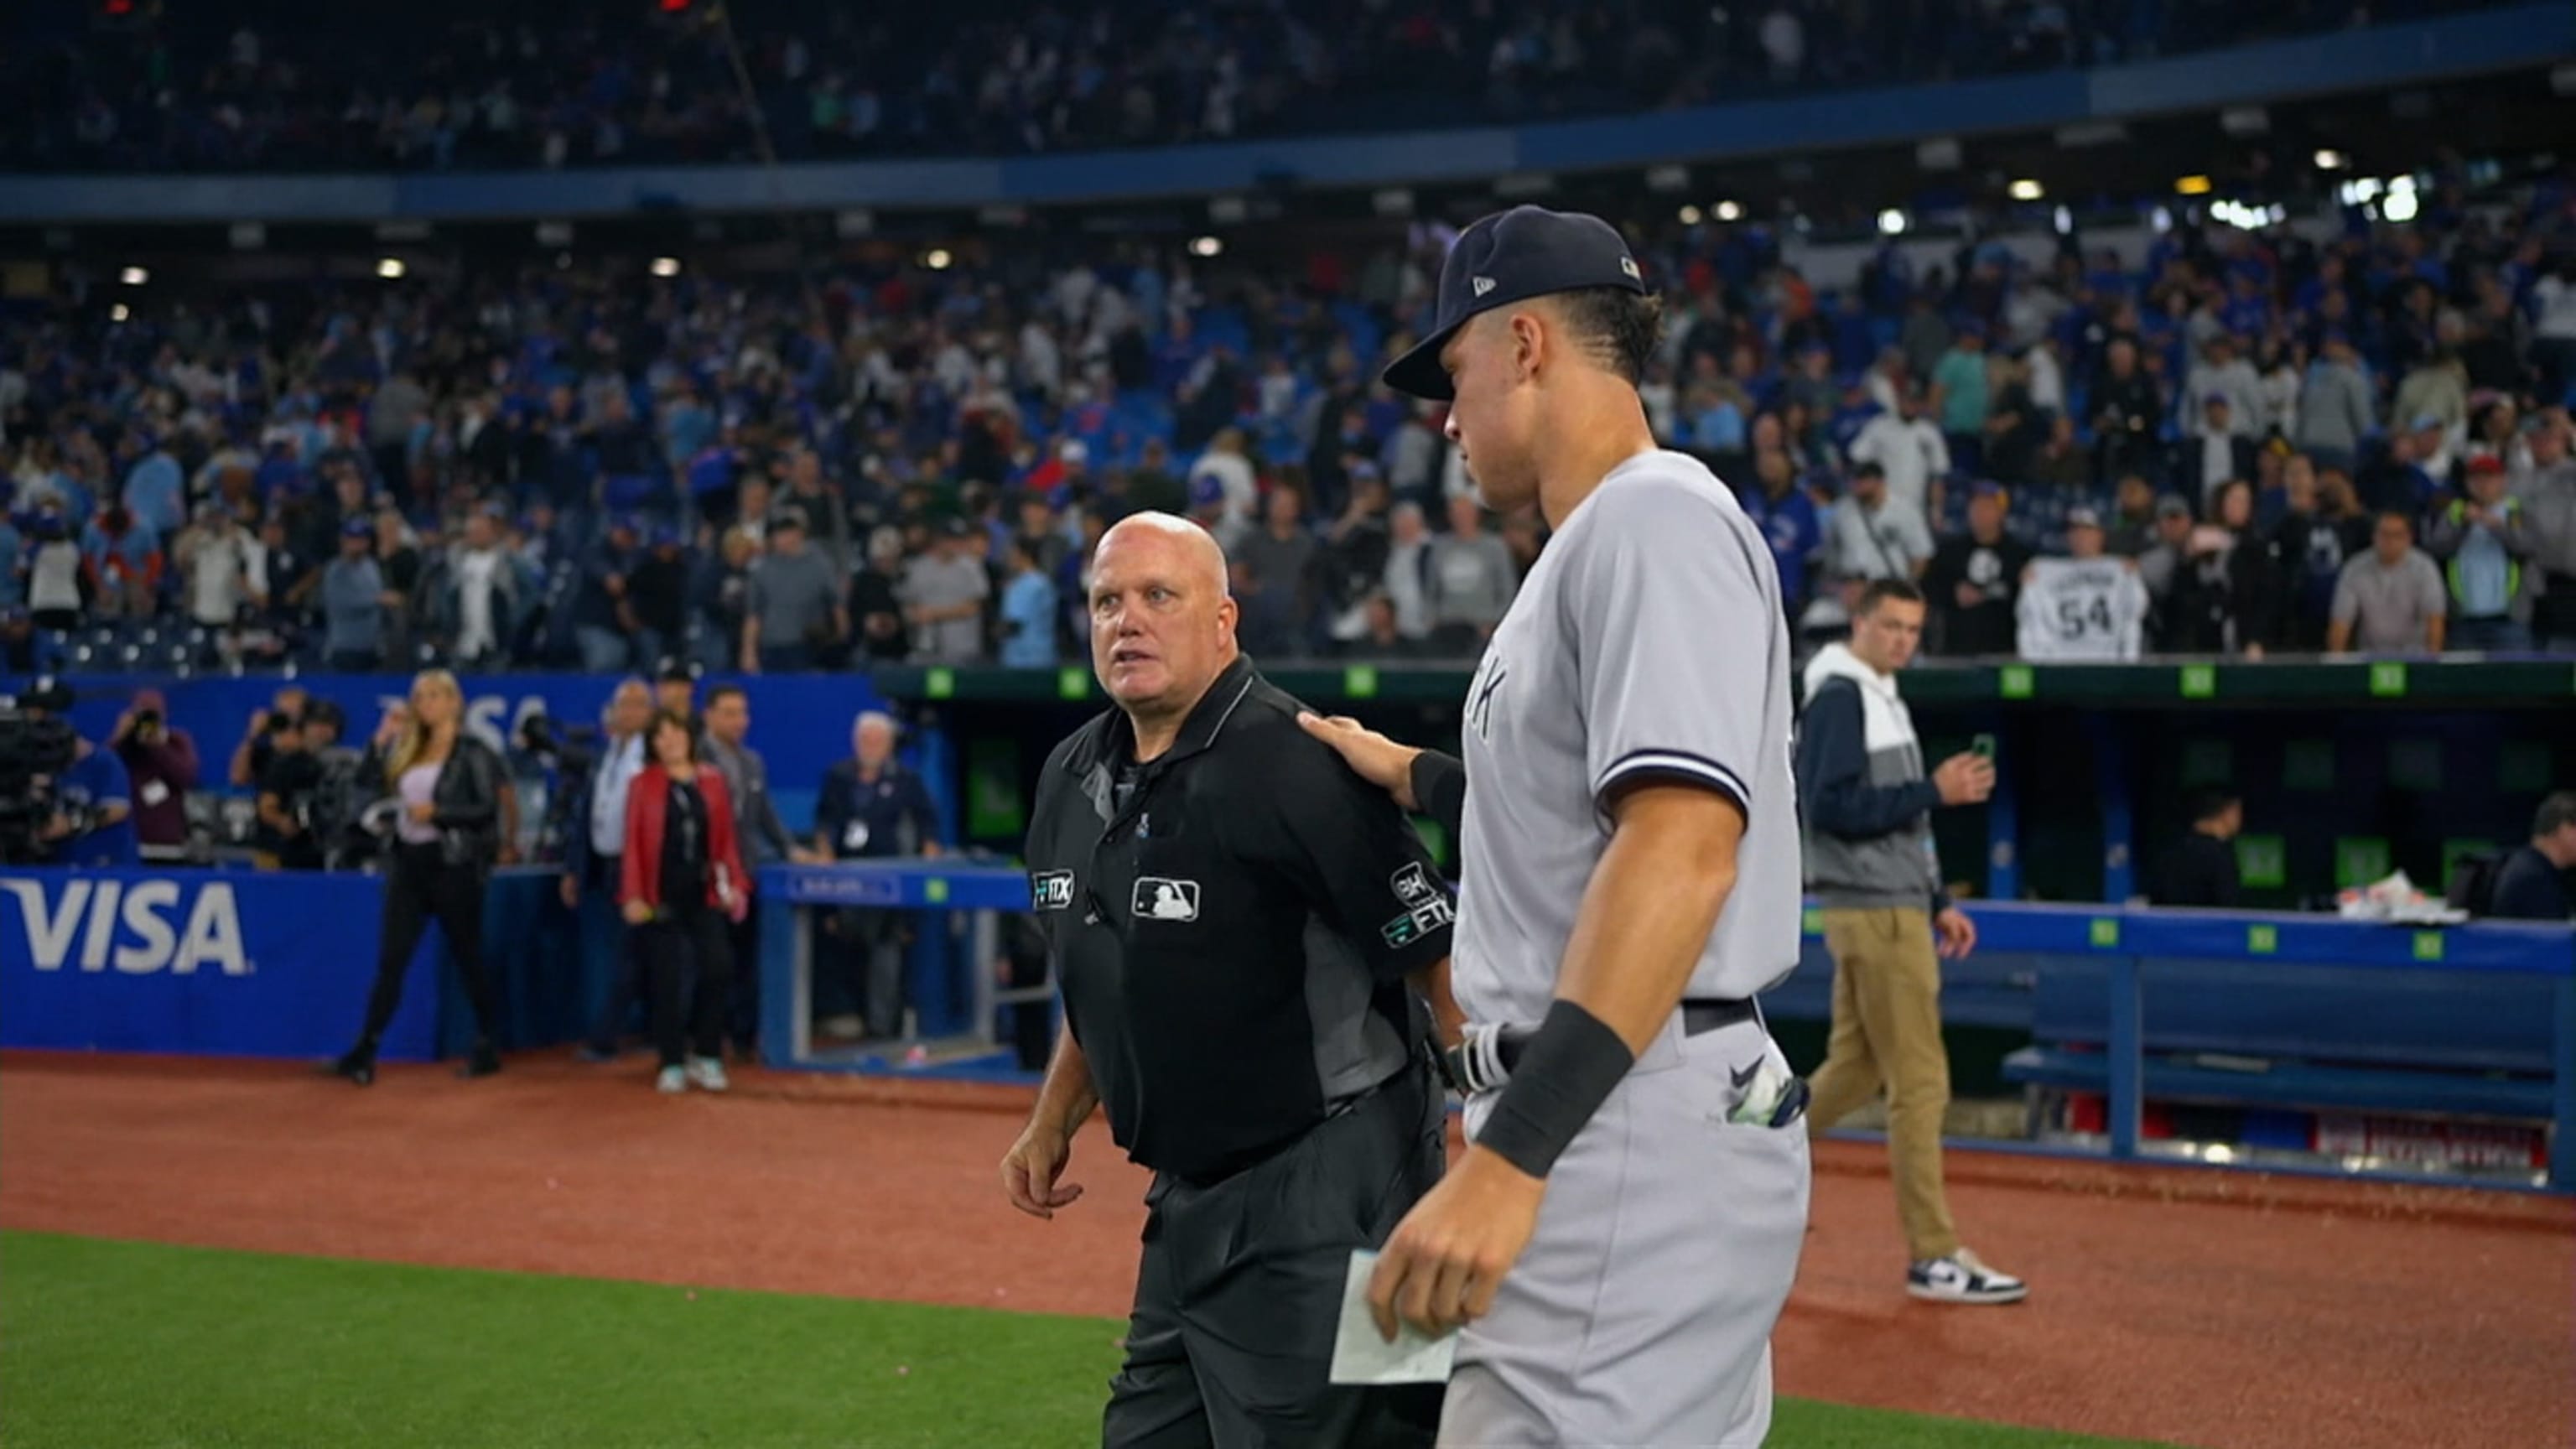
1512,256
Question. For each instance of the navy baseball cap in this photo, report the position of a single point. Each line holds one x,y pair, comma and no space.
357,528
1512,256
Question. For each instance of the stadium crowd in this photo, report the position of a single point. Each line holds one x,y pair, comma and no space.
2355,444
483,85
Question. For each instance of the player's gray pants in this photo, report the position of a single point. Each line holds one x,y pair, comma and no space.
1641,1313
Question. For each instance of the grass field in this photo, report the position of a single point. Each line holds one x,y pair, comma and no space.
143,1346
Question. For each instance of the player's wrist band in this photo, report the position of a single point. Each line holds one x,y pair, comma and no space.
1562,1078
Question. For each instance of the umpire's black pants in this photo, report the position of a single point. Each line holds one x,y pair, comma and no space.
1239,1290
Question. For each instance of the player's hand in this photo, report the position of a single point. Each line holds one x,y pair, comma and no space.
1372,756
1955,933
637,913
1444,1262
571,891
1965,779
1030,1170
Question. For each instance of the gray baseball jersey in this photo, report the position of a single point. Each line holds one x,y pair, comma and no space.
1647,642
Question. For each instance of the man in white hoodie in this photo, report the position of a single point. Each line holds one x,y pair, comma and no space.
1873,871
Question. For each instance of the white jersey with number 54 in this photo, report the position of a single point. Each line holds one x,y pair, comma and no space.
2082,608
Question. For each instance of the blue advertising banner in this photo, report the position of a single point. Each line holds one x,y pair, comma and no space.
212,963
800,723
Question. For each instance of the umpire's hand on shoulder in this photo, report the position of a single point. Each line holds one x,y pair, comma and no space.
1372,756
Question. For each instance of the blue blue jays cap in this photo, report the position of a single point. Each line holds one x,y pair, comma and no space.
356,527
1512,256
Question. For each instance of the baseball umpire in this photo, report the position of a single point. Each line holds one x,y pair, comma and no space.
1235,918
1624,1230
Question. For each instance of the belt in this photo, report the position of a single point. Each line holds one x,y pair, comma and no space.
1485,1059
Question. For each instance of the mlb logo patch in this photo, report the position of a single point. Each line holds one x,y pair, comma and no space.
1161,899
1051,890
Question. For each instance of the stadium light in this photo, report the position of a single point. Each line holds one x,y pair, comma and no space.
2400,204
2192,185
391,269
666,266
1726,211
2026,190
2330,160
119,312
936,259
1206,246
1891,222
2161,219
2064,221
134,276
1690,215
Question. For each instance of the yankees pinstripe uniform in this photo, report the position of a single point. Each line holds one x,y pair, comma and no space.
1647,643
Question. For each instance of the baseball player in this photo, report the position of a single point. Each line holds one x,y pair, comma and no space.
1624,1229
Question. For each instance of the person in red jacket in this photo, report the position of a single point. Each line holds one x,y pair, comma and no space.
682,883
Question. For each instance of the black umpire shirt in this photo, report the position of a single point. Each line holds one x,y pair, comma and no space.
1232,923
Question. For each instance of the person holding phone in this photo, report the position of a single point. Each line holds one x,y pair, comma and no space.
1874,872
681,888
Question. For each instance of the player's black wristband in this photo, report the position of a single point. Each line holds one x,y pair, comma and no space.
1563,1076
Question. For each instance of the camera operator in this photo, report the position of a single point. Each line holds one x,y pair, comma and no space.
289,794
162,764
259,742
93,803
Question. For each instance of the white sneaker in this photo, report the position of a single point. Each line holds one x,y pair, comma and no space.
708,1073
673,1080
1961,1278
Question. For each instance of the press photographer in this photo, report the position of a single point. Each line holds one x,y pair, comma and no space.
295,815
161,763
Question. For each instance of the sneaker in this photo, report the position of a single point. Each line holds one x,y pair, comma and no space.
1961,1278
673,1080
358,1065
485,1061
708,1073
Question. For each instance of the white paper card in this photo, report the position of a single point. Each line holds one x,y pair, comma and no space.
1360,1356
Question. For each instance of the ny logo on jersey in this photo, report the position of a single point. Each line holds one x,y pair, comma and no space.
1480,695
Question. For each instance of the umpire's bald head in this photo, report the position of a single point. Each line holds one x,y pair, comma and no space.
1162,622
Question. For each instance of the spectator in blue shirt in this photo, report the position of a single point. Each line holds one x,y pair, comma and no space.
1789,524
154,488
1028,611
13,590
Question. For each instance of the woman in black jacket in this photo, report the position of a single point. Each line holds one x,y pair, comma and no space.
2230,596
445,838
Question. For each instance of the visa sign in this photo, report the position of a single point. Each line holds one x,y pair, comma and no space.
136,927
491,718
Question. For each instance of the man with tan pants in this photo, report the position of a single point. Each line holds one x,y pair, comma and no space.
1873,871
